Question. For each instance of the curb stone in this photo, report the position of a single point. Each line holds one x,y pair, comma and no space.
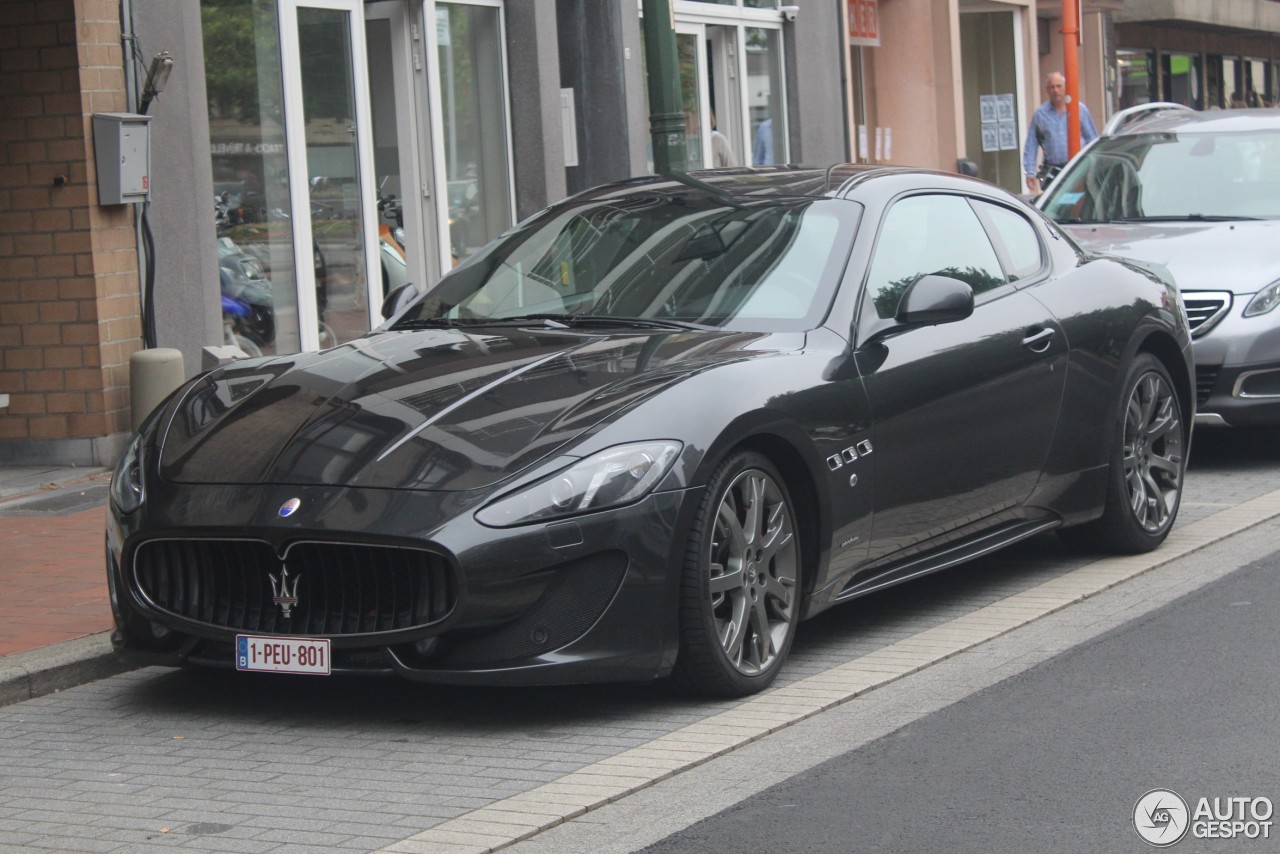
34,673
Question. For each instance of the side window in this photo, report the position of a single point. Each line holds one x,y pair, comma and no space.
930,234
1018,236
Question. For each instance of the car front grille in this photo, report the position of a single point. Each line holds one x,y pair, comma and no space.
1206,379
1205,308
341,589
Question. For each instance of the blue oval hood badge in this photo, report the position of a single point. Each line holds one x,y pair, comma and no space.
290,507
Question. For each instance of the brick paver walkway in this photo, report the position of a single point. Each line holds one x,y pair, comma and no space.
53,585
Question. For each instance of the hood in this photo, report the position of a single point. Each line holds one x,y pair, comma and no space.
440,409
1240,256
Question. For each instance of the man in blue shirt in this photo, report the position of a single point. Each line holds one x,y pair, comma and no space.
1048,131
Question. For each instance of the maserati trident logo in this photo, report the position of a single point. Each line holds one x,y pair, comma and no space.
282,594
290,507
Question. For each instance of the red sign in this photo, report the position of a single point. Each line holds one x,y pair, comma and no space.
864,23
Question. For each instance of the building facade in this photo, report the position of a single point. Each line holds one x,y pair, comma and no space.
1204,55
307,156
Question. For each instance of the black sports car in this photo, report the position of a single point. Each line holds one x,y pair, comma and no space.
652,428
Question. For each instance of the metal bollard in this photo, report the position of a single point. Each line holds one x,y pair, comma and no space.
152,375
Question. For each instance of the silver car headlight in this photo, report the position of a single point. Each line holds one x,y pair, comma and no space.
1264,300
610,478
126,482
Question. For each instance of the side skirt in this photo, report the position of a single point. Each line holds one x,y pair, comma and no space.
966,550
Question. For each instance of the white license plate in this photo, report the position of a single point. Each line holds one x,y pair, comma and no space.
283,655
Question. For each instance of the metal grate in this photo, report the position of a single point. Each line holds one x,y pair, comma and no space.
1206,379
1205,308
341,588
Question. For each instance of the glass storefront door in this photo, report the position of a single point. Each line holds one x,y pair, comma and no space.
469,121
765,96
991,69
354,147
327,121
690,48
1134,67
253,213
1254,83
394,42
1181,78
732,88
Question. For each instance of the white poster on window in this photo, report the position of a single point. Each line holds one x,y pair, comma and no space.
990,138
1004,108
1008,137
987,107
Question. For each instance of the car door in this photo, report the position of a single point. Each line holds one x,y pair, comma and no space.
964,412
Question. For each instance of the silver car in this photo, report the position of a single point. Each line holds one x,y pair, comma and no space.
1199,194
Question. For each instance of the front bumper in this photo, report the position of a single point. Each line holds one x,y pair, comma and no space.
584,600
1238,369
1238,396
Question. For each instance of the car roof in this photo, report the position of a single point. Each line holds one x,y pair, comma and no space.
762,183
1168,120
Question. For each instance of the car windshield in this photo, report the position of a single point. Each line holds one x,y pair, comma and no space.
1166,176
679,259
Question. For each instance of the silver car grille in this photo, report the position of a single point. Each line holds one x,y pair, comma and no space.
1205,308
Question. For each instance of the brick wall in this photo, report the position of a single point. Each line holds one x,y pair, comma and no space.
69,316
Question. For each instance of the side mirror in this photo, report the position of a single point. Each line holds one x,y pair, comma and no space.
935,299
398,300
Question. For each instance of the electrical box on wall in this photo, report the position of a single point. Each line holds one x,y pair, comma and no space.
122,144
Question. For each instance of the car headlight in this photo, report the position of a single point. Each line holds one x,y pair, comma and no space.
126,481
1264,300
610,478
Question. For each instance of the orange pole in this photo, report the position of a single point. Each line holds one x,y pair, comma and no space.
1070,70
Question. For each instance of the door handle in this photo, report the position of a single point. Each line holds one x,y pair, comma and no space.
1039,342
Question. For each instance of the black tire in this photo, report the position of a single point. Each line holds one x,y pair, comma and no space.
740,589
1147,465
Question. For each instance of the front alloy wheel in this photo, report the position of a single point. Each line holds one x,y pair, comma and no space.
740,597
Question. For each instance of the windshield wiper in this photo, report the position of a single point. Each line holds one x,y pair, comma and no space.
1192,217
568,320
426,323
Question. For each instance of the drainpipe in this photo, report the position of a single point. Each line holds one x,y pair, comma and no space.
128,44
1070,70
666,111
129,47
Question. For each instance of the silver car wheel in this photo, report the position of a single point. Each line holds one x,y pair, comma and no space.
753,564
1152,452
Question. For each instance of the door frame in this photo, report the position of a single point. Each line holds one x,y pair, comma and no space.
435,121
699,32
693,17
296,150
406,68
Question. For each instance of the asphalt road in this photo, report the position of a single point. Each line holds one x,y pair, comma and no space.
1055,758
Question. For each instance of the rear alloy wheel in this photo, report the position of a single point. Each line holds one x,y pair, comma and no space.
1148,462
740,593
1152,452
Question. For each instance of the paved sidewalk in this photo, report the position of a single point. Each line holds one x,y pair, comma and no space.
54,614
